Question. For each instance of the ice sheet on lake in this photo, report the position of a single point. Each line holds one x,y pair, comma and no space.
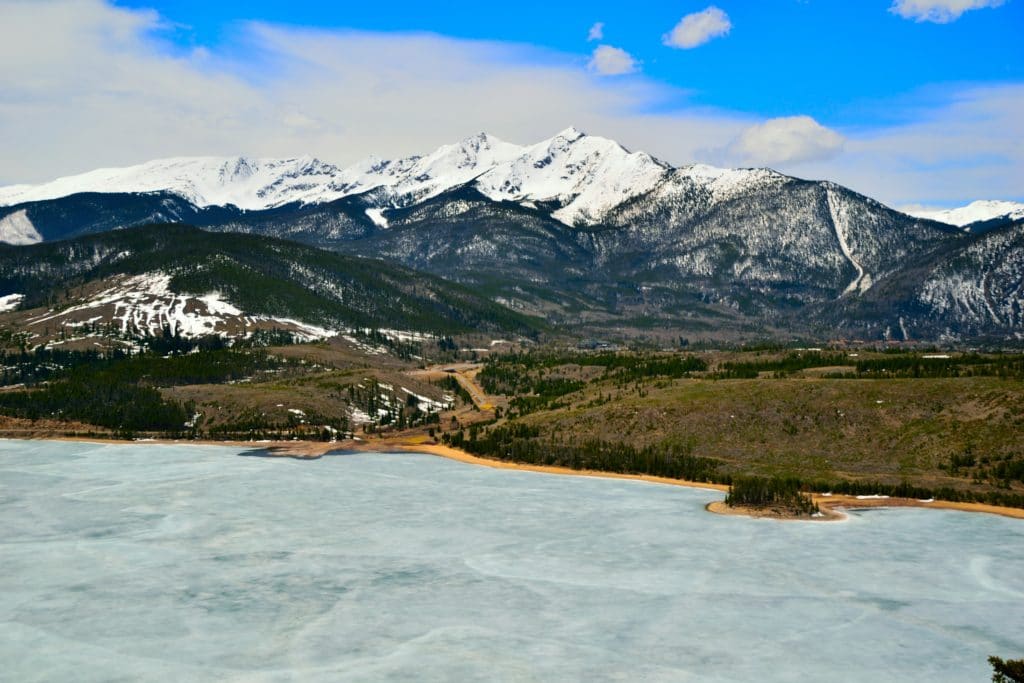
189,563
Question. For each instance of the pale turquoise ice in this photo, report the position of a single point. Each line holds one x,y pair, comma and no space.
143,562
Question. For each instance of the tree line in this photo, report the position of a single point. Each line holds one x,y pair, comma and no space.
968,365
775,492
520,442
791,362
119,390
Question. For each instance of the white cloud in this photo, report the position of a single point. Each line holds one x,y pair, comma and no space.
785,141
698,28
920,209
596,32
611,61
938,11
970,147
98,88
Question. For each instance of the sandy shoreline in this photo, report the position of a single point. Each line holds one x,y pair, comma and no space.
827,514
463,456
830,505
853,502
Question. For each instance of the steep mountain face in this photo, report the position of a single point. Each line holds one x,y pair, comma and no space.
144,281
583,232
967,290
94,212
981,288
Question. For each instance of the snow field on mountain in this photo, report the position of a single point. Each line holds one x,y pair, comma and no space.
17,229
585,175
10,301
981,210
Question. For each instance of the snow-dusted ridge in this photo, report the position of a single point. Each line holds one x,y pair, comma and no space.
204,181
145,305
585,176
981,210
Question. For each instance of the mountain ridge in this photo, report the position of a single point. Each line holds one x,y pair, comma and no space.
173,276
586,175
590,236
979,211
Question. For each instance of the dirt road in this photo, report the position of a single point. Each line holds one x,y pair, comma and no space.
465,375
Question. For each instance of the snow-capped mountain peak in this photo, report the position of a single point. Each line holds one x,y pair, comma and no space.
569,135
417,178
479,152
981,210
584,176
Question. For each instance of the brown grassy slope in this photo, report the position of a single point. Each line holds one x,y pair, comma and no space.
886,430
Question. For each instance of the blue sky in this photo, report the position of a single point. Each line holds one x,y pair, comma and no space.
836,60
915,102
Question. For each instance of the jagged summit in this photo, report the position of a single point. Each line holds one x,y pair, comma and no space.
580,178
571,133
585,175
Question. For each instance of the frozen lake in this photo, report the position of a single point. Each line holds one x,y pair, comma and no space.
191,563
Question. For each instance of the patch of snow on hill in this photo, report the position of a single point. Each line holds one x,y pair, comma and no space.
146,305
862,282
9,302
429,405
377,216
17,229
302,331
